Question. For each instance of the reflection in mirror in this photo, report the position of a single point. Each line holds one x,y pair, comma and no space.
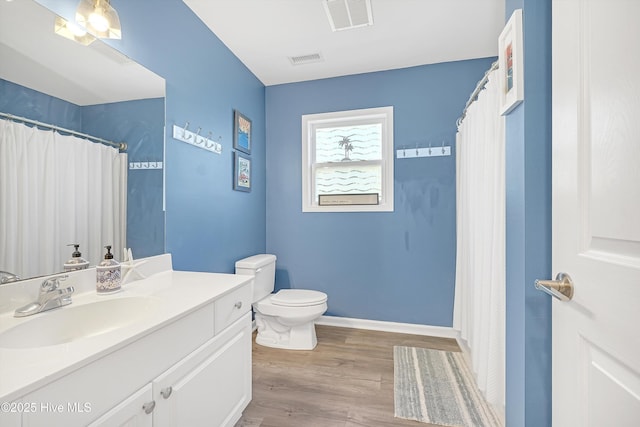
94,90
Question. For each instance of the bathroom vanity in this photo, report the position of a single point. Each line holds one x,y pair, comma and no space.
173,349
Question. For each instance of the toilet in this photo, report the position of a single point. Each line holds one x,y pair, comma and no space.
285,319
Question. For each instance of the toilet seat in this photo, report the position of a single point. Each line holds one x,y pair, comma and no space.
298,298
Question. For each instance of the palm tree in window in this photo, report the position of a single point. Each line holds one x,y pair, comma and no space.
345,143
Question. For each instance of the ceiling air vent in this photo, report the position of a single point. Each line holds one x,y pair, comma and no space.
347,14
305,59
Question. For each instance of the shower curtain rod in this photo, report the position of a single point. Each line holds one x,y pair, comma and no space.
476,92
122,146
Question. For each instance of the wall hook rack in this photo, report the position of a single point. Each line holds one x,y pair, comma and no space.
146,165
430,151
195,139
184,132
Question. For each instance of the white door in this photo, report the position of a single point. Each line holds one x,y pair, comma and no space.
596,212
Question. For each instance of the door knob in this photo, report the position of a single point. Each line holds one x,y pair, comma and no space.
149,406
166,392
561,288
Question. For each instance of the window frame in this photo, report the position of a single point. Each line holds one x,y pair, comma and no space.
382,115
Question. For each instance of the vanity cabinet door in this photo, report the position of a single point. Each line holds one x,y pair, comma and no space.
11,412
135,411
212,386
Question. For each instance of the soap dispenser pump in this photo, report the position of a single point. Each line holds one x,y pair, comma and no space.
76,262
108,274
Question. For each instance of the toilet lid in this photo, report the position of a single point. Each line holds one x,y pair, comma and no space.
298,297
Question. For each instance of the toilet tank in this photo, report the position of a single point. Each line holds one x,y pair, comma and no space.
263,268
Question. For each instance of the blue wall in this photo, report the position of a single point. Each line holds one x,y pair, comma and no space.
208,226
140,123
397,266
24,102
528,203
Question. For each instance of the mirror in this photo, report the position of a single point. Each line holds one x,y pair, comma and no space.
93,89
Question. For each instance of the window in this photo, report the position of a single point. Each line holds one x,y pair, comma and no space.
348,153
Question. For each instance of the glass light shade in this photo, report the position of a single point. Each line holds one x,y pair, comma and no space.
72,31
99,18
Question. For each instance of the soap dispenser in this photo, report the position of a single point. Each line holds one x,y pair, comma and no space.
108,274
76,262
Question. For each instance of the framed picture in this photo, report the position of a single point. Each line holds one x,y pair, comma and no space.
241,172
241,132
511,64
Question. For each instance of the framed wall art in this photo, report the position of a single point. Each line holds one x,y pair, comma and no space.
241,172
511,64
241,132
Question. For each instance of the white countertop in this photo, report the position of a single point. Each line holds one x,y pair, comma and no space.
23,370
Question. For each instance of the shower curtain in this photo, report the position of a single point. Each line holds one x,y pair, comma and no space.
479,307
56,190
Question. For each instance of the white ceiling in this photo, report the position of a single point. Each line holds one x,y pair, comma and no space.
263,34
35,57
405,33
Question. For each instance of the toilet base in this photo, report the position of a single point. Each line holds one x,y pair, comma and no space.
272,333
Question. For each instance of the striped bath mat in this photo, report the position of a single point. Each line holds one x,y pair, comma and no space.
436,387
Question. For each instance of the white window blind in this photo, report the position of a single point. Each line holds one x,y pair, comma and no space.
347,153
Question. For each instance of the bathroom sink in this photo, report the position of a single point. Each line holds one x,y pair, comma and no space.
71,323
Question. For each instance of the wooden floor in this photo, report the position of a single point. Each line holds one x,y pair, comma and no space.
346,381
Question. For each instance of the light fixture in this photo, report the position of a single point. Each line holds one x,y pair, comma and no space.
99,18
72,31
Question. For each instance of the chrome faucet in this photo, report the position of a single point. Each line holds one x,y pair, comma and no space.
6,277
51,296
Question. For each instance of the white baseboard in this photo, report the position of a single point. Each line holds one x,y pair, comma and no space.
379,325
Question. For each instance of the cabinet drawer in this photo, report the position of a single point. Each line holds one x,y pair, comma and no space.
231,307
